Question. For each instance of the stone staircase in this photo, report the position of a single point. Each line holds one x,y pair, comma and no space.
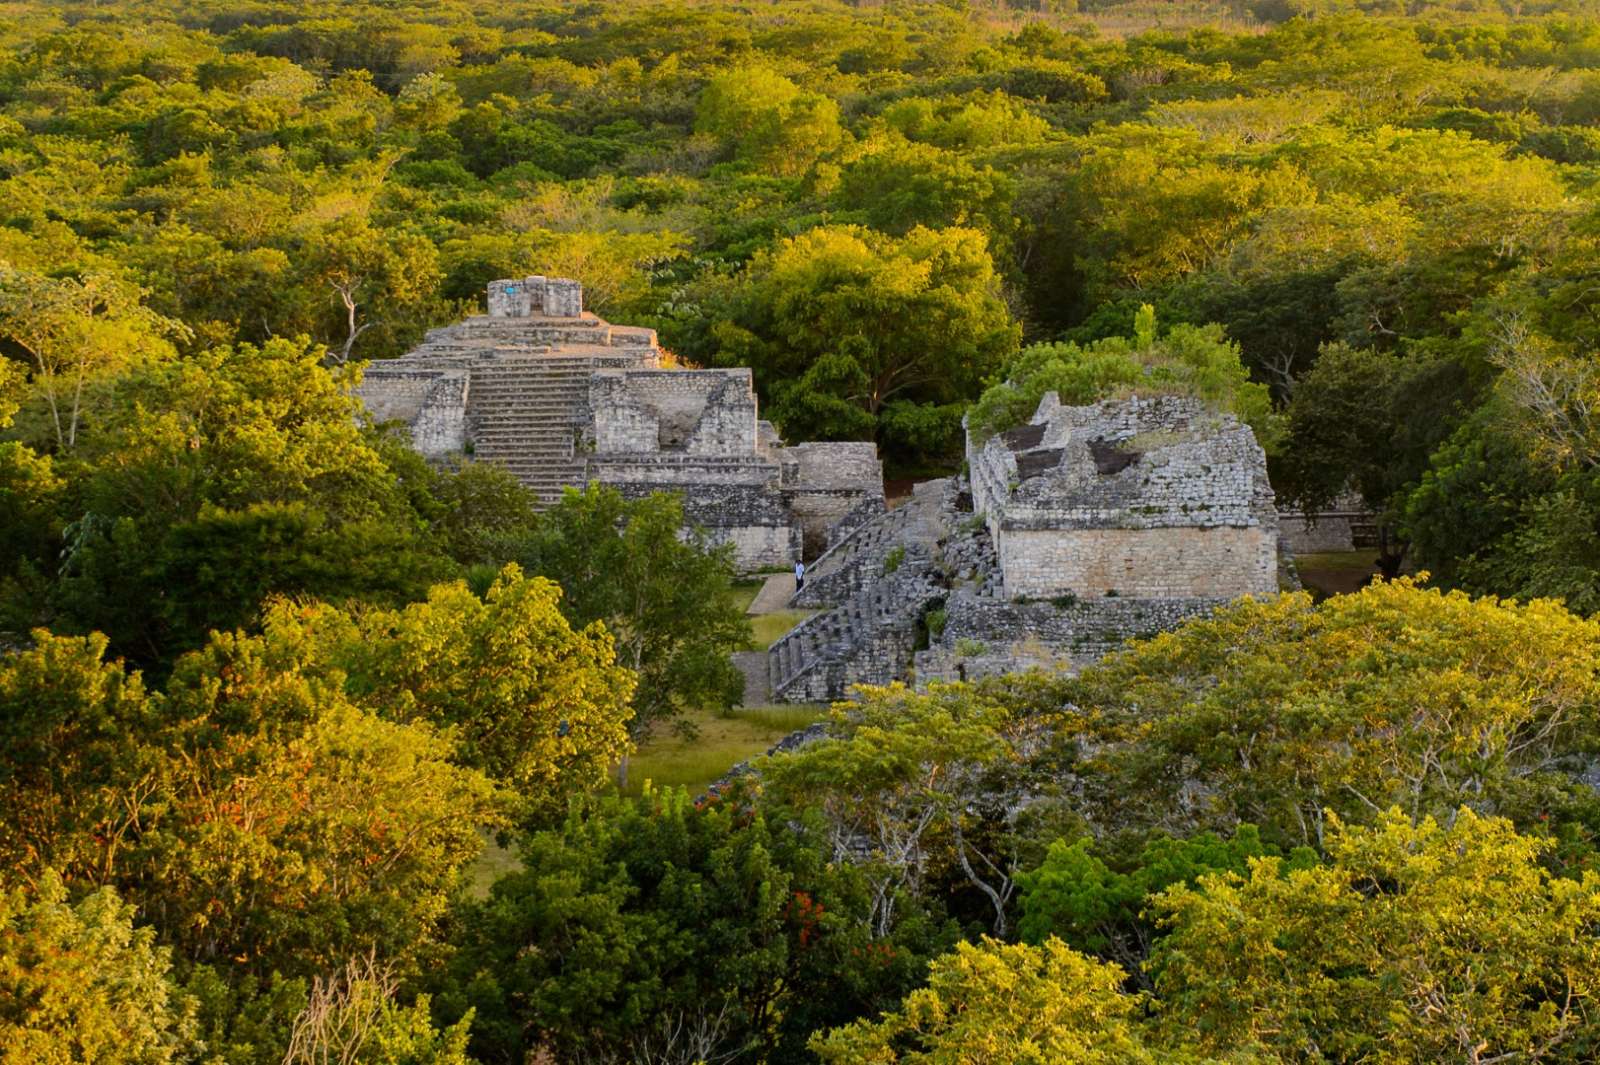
859,560
757,677
867,639
525,413
528,394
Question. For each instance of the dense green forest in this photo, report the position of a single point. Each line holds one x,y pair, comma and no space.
270,683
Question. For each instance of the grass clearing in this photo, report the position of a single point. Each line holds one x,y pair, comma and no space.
491,864
672,761
1366,560
745,592
782,719
669,760
768,628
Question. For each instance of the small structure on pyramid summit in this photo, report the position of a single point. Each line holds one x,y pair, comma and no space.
560,397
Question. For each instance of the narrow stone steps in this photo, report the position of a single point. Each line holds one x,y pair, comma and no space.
837,635
532,424
523,412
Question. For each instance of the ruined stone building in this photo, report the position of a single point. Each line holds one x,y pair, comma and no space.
560,398
1072,534
1160,498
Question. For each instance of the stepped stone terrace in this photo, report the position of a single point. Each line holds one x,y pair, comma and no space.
560,397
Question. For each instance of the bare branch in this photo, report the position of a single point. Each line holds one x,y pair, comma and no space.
341,1013
347,289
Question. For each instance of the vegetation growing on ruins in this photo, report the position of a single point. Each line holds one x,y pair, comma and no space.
1187,360
269,681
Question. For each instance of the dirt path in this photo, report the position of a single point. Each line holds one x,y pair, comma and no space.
757,684
774,594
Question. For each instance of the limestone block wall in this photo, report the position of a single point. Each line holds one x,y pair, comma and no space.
622,424
734,502
516,297
1305,536
1170,562
1079,631
432,404
733,506
992,473
847,464
727,424
395,397
831,487
630,336
1201,482
759,547
676,471
563,297
697,412
826,515
1346,526
1158,497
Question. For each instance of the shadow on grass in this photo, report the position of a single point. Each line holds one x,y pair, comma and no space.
769,628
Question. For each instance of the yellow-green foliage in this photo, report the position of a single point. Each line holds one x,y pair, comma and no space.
993,1002
1185,361
536,704
1414,942
79,982
1399,695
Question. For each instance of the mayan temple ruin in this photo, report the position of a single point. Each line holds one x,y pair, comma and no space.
1070,535
560,398
1066,537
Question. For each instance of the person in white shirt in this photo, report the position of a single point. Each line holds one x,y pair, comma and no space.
799,575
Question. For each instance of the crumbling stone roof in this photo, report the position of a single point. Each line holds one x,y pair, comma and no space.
1164,461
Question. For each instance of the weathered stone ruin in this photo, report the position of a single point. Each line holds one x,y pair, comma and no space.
1070,535
560,397
1157,498
1085,528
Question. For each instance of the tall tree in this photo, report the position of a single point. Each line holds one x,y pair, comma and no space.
664,596
914,786
993,1001
840,322
77,333
80,983
224,478
1280,711
767,120
1417,941
538,706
